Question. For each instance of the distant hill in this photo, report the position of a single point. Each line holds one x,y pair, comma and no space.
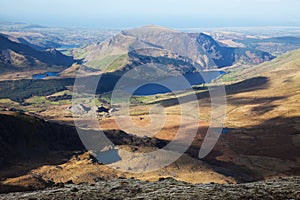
152,44
43,38
37,41
18,56
276,45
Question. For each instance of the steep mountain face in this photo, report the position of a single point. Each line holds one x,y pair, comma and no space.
227,56
145,45
182,51
15,56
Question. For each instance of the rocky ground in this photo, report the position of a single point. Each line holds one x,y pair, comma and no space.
282,188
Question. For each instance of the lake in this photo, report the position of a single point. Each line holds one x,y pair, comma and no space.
192,78
44,75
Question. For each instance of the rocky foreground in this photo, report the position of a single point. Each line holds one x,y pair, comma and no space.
282,188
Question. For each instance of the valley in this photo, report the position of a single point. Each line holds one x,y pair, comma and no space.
42,150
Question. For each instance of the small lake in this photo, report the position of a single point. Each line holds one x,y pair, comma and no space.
227,130
69,46
109,157
44,75
192,78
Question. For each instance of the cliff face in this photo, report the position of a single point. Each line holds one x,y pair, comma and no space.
152,44
227,56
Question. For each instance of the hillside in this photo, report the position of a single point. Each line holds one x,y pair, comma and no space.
153,44
263,110
39,154
22,136
262,122
287,63
20,57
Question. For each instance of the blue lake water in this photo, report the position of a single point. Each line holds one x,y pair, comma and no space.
227,130
108,157
192,78
47,74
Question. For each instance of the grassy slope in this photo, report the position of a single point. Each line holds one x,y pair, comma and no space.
265,115
283,76
285,62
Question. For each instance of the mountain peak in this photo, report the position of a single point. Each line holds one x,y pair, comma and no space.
160,43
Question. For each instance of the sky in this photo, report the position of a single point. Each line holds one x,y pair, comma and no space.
134,13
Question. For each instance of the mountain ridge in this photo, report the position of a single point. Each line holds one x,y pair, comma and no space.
201,50
16,56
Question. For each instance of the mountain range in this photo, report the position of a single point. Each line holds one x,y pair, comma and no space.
18,57
186,52
179,51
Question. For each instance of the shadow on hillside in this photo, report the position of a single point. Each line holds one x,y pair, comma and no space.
12,188
277,138
253,84
262,109
273,138
28,143
253,100
261,105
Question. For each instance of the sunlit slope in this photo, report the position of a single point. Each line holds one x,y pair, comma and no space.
279,96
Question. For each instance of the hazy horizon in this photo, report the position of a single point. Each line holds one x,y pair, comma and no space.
118,14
